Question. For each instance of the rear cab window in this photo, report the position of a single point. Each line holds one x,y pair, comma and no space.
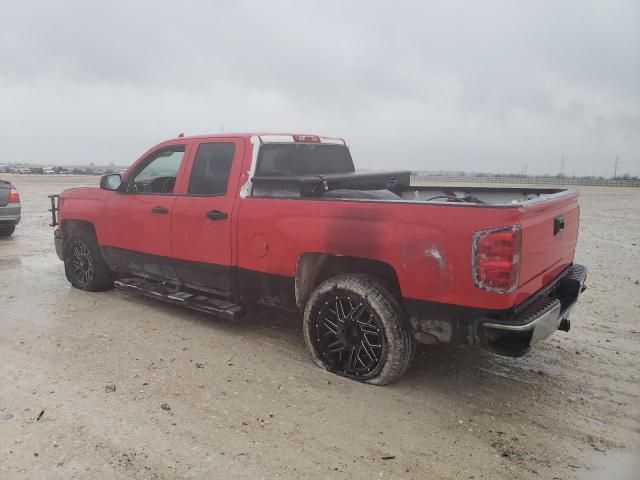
303,159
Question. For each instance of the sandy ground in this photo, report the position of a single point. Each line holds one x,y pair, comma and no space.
242,400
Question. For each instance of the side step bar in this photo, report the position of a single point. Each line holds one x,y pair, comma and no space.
171,294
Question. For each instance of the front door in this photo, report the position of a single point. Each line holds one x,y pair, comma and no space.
137,238
201,231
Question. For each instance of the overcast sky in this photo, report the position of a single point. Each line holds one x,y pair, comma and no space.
475,86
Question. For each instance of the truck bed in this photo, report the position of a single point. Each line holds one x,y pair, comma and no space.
480,195
436,221
392,186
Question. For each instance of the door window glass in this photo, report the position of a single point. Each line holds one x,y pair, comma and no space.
210,172
159,174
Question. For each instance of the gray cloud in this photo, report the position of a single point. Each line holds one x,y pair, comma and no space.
431,85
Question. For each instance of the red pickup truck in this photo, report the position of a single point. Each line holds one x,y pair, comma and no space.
222,222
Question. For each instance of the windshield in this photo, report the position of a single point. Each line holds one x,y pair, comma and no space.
302,159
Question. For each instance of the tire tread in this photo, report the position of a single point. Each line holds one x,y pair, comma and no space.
400,341
103,276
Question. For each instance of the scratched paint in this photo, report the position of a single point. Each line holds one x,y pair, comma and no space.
435,254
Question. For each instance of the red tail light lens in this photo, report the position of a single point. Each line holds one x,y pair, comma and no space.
496,259
14,196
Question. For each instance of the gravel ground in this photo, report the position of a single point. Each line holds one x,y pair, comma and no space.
106,385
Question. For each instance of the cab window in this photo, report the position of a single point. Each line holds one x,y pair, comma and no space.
211,167
158,175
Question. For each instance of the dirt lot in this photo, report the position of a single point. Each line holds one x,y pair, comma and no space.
198,397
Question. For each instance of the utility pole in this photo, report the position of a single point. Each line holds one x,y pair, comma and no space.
615,166
562,166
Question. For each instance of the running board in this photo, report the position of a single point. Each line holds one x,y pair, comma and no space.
172,294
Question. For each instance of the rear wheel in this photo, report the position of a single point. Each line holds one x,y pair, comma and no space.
355,328
83,263
7,229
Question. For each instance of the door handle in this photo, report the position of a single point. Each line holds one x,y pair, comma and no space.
217,215
160,210
558,224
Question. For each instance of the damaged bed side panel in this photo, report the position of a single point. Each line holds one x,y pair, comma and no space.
427,246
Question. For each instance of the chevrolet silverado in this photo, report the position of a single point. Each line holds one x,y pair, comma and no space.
374,264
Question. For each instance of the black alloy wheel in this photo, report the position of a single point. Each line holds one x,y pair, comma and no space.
354,326
84,265
81,269
348,335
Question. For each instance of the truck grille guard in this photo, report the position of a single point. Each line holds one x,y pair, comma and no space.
54,210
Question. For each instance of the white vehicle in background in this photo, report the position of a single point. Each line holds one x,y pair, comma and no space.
48,171
24,170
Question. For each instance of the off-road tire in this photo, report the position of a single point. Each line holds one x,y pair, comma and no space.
101,278
7,229
398,347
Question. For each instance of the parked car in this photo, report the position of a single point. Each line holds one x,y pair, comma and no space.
221,222
10,209
24,170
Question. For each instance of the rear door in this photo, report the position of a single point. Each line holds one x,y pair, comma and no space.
203,220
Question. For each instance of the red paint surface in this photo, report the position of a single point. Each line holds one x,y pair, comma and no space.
427,245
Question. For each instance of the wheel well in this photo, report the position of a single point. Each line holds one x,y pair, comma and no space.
314,268
71,227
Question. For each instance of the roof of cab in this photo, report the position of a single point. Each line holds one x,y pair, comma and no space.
266,137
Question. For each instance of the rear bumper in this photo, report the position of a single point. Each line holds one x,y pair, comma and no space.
10,213
537,318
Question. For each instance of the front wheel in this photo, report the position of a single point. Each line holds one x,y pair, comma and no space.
83,264
354,327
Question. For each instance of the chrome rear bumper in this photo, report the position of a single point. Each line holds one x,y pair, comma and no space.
538,318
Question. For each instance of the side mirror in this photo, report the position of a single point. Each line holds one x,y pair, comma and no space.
111,182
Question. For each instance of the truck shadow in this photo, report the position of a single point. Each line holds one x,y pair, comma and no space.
447,369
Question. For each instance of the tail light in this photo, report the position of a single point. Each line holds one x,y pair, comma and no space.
14,196
496,259
306,138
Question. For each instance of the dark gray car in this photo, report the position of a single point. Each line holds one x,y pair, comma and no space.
9,208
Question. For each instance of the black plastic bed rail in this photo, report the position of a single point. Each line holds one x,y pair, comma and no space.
317,185
54,210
